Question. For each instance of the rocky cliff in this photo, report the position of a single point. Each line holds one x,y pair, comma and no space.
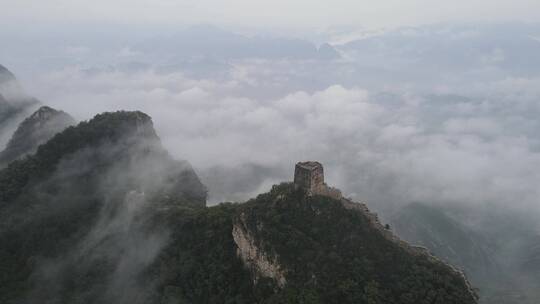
254,256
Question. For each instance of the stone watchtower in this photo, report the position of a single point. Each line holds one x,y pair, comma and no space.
309,176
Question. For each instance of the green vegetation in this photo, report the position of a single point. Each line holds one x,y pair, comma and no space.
77,183
101,214
331,255
104,127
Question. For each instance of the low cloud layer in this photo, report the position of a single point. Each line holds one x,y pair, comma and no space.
385,147
399,116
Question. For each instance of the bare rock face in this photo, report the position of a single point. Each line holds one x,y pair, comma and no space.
34,131
259,262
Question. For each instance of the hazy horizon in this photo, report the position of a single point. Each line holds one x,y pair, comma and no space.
266,14
410,91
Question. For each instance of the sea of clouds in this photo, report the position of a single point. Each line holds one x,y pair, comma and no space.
389,127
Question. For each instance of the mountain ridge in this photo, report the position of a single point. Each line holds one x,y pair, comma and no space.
102,214
286,198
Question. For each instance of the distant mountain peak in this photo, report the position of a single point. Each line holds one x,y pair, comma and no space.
14,102
125,123
6,75
35,130
44,113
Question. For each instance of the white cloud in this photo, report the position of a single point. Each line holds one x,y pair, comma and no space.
469,152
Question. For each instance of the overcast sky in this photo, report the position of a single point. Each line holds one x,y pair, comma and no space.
263,13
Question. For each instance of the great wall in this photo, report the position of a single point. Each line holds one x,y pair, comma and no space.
309,176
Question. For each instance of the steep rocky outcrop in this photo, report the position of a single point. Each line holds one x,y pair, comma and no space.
35,130
254,256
